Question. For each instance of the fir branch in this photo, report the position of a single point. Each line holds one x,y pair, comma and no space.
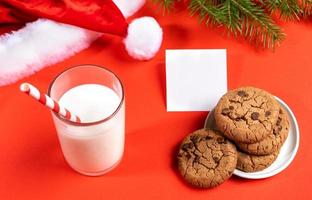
307,8
232,15
248,18
167,4
208,11
287,9
240,17
257,25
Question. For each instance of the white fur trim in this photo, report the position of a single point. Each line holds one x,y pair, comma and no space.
129,7
45,42
144,38
39,44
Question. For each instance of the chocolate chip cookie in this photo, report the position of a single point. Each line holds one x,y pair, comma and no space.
274,141
253,163
206,159
246,114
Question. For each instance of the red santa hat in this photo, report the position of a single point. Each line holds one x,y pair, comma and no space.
56,30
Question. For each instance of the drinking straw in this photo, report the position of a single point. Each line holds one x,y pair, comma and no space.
48,102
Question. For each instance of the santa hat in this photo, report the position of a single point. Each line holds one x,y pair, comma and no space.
58,29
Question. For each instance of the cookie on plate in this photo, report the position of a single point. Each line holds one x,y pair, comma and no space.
253,163
206,159
274,141
246,114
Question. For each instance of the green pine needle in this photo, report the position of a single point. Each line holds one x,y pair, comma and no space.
251,19
167,4
287,9
208,12
240,17
307,8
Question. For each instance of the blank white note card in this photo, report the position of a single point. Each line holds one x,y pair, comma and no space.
195,79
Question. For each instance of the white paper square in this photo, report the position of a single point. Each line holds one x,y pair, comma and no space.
196,79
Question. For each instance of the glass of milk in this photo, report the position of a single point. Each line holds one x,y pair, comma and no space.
95,94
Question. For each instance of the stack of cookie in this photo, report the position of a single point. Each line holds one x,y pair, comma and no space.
256,123
249,126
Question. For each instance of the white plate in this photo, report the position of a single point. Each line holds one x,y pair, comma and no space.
287,153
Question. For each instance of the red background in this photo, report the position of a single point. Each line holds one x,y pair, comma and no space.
31,161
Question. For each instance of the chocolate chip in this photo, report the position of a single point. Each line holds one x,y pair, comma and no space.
241,93
195,138
221,140
225,111
231,108
187,146
196,159
216,160
277,130
254,115
278,122
208,137
267,113
188,156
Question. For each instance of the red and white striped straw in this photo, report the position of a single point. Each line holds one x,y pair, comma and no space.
48,102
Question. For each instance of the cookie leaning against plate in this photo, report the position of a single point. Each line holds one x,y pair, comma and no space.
246,114
274,141
206,159
253,163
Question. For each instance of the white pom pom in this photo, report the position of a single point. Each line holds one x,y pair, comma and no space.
129,7
144,38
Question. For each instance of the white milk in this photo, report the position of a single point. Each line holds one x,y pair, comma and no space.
92,149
